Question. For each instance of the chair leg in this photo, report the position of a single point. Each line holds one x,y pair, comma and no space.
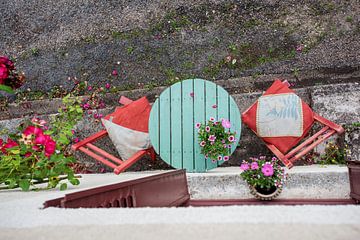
152,154
127,163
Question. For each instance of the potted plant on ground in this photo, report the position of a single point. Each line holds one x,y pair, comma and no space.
216,139
265,177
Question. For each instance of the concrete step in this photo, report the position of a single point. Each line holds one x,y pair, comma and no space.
312,182
305,182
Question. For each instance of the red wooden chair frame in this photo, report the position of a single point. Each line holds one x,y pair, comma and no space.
87,147
310,143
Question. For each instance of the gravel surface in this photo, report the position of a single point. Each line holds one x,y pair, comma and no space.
156,41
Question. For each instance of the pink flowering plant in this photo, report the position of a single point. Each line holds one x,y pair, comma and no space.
10,78
216,139
263,173
38,151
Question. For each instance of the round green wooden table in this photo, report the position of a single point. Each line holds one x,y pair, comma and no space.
174,115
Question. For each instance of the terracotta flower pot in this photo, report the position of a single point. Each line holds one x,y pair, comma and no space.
354,177
265,194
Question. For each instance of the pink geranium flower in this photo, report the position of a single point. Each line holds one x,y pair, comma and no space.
254,166
41,139
202,144
4,73
226,158
107,85
226,123
244,166
50,147
219,158
212,119
32,130
212,138
231,138
198,125
267,170
207,128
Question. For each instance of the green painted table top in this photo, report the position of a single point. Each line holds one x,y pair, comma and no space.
174,115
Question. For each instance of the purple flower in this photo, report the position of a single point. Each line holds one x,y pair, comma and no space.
226,158
262,157
202,143
229,146
267,170
213,160
214,106
225,146
231,138
254,166
212,119
198,125
89,88
244,166
219,158
212,138
107,86
207,128
226,123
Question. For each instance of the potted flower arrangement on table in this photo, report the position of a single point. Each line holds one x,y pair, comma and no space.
265,177
216,139
10,78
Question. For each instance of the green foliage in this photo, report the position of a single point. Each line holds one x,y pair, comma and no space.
6,88
28,162
34,51
253,172
215,141
333,155
130,50
349,19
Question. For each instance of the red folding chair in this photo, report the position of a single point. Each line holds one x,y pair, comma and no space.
87,146
296,152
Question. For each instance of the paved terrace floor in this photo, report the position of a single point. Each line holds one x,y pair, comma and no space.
21,217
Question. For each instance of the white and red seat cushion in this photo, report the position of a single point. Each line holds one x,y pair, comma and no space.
128,128
279,117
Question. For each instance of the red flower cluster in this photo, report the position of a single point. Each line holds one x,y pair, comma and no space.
35,137
8,74
9,144
39,140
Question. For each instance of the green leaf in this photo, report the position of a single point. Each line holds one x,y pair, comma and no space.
63,186
74,181
24,184
6,88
